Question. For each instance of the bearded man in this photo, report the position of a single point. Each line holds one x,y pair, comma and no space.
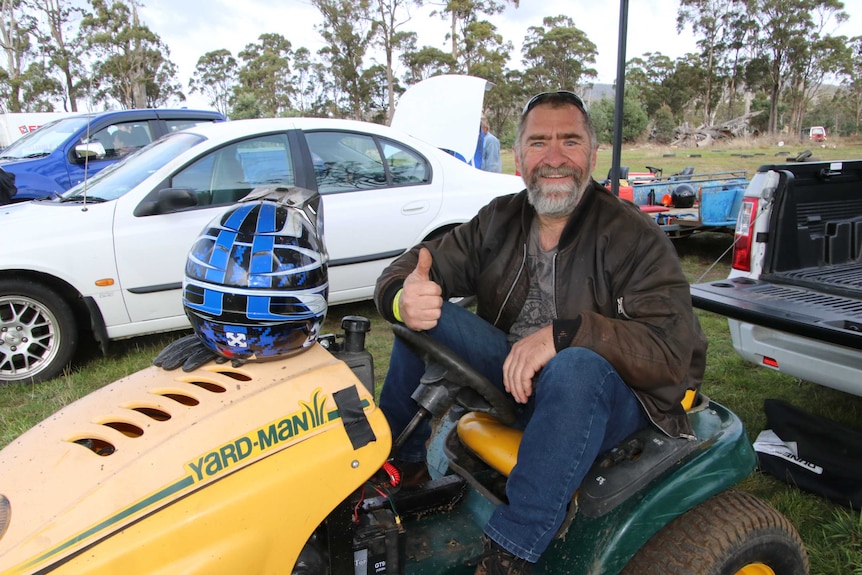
583,315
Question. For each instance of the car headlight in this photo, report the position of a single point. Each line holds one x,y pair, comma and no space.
5,515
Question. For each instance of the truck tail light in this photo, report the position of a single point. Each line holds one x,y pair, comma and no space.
743,239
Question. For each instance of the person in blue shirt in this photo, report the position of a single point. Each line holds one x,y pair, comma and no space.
491,149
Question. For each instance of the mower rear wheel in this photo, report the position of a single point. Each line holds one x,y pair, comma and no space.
733,533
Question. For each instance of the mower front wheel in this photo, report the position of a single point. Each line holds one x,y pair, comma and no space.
733,533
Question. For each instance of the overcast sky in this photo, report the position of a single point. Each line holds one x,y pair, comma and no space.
191,28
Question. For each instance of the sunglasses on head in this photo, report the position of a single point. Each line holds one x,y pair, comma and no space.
559,95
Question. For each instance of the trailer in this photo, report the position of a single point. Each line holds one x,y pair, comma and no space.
685,203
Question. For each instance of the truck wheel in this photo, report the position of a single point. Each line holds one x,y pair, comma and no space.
733,533
38,333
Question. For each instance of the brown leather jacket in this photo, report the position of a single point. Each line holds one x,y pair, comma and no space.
620,291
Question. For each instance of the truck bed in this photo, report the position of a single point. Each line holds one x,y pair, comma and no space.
794,300
811,284
795,309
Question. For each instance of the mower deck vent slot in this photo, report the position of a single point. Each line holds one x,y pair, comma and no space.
235,375
209,386
98,446
182,399
127,429
153,413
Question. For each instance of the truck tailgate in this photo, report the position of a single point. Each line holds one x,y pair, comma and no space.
828,317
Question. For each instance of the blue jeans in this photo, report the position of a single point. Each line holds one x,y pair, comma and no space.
580,408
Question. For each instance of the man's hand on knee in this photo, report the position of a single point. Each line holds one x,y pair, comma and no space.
526,358
421,301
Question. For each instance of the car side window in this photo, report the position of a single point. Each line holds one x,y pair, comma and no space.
405,166
121,138
177,125
228,174
346,161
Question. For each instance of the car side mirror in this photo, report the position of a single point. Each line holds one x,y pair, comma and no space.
90,150
167,200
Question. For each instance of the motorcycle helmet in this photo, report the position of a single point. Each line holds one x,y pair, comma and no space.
256,281
683,196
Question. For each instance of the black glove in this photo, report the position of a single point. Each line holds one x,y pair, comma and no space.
188,352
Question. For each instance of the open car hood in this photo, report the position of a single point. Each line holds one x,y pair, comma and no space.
444,111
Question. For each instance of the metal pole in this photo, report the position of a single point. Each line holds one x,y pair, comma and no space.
619,98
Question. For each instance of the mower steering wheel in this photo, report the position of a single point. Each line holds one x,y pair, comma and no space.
432,351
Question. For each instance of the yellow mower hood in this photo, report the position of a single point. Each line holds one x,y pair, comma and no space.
148,446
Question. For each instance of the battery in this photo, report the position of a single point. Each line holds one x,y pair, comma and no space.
378,544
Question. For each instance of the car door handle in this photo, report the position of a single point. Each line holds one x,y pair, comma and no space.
414,208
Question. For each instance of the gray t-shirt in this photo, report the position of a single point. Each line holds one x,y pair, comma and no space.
539,309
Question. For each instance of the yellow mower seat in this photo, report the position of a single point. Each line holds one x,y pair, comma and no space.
497,444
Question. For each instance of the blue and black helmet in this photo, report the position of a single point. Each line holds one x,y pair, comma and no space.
256,280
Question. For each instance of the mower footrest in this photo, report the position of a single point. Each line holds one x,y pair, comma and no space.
628,468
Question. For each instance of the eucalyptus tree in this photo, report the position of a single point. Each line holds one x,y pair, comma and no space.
422,63
58,40
503,104
311,84
15,39
815,60
389,16
649,79
461,14
486,53
130,62
40,89
215,77
721,27
785,36
851,85
558,55
265,75
348,31
683,89
377,96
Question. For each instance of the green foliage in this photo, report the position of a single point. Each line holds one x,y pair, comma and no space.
664,125
426,62
215,77
348,31
245,106
635,119
485,53
131,66
558,55
265,76
778,50
649,78
760,123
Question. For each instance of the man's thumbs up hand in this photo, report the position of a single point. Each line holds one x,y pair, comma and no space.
422,299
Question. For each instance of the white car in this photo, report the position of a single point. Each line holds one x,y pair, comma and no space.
109,255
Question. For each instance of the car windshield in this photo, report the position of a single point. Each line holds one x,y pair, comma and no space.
116,180
45,140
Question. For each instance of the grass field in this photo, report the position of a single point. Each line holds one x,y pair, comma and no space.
718,158
832,534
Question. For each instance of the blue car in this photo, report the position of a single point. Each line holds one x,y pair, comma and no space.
61,154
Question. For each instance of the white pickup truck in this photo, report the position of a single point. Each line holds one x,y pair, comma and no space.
794,293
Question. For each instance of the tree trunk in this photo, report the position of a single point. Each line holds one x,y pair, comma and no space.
139,94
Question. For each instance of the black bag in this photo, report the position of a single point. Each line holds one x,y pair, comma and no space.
817,454
7,187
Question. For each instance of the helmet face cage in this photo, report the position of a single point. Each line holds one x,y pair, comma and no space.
256,282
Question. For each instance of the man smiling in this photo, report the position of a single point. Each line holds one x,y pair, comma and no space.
583,316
